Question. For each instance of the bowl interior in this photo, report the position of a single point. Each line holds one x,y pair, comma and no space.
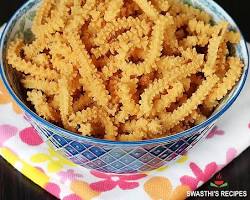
21,22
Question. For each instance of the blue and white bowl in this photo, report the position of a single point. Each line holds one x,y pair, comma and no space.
104,155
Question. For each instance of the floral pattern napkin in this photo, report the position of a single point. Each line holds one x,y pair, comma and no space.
22,147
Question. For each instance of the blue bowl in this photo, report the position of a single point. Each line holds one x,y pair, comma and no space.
104,155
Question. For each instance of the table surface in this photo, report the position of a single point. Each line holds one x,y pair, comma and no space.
14,186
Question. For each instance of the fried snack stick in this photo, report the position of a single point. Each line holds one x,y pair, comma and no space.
227,83
43,13
82,8
112,86
166,100
129,107
37,46
168,63
233,37
221,60
148,9
139,129
154,51
169,120
14,59
82,119
147,97
213,48
134,35
92,83
82,102
161,5
177,73
94,115
119,24
42,60
65,100
182,68
198,117
114,7
62,65
48,87
55,23
97,18
192,41
170,42
54,102
61,54
200,28
41,106
114,62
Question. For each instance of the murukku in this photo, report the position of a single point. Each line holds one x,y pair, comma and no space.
221,60
129,107
169,120
232,37
134,36
113,10
56,22
36,47
227,83
149,94
65,100
125,70
48,87
41,106
93,115
139,129
200,28
20,64
112,87
166,100
113,27
87,70
161,5
154,52
148,9
43,13
185,70
198,117
192,41
82,102
213,47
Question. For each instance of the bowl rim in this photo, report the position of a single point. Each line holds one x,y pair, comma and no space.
66,133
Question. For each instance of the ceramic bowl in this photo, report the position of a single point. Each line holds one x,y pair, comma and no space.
104,155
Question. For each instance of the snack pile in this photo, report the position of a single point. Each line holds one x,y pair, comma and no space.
126,69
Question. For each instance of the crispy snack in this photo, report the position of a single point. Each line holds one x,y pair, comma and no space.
27,67
166,100
171,119
38,99
126,70
227,82
48,87
113,10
